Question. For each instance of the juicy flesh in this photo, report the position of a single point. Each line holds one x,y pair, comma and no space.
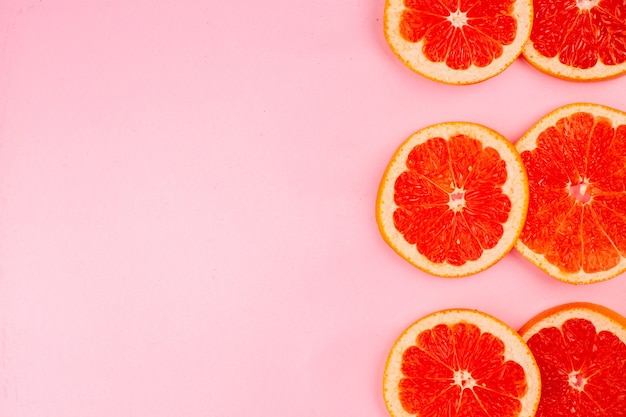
582,371
580,32
458,370
577,210
450,200
460,33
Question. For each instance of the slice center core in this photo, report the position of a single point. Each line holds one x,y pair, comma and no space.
576,381
457,200
464,379
580,191
458,18
586,4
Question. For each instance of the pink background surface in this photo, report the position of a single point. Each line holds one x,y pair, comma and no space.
187,199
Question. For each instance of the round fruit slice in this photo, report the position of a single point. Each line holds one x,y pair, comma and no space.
575,158
461,362
578,39
457,42
581,352
453,199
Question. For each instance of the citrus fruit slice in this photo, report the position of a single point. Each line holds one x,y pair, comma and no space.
575,158
578,39
461,362
453,199
580,349
457,42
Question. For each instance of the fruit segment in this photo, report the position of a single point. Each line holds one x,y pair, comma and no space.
581,353
578,39
451,193
461,363
461,35
457,42
575,159
453,199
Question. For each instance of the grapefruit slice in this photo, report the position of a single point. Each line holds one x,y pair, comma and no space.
578,39
575,158
461,362
453,199
581,352
457,42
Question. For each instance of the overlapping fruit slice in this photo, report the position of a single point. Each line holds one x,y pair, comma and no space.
460,41
575,158
581,352
578,39
461,362
453,199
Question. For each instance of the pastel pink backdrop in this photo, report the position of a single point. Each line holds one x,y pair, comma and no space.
187,206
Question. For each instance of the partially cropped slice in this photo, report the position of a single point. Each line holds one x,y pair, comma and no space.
581,352
457,42
461,362
453,199
578,39
575,158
